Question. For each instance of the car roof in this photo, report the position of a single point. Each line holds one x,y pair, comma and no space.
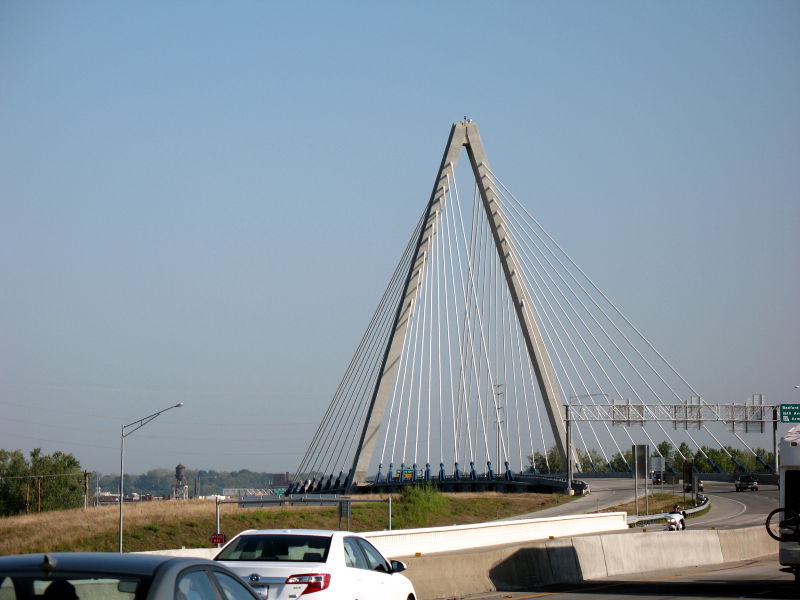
319,532
98,562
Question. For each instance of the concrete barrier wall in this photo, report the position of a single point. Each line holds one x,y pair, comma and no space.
638,552
407,542
742,544
572,560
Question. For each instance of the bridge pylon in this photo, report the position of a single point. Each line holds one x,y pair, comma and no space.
463,135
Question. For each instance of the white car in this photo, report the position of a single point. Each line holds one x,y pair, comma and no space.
284,564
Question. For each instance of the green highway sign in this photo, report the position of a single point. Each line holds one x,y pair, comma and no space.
790,413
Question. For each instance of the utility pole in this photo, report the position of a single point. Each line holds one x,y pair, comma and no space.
498,392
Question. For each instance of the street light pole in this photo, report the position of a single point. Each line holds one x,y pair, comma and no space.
123,434
569,451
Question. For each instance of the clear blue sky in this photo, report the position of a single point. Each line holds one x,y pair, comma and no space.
202,202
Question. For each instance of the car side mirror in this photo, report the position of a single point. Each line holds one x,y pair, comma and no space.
398,566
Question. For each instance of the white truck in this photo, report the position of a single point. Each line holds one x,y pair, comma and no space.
783,524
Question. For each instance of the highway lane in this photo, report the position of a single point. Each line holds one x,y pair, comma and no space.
604,492
747,579
729,508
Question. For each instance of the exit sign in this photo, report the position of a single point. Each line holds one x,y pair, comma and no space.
790,413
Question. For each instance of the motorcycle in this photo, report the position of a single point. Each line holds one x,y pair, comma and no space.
675,521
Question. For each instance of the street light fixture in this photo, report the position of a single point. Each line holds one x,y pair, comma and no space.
123,434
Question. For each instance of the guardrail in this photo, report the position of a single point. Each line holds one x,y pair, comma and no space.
638,520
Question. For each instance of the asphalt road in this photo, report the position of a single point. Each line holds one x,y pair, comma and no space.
729,508
749,579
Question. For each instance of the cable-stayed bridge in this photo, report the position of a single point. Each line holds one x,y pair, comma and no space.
487,338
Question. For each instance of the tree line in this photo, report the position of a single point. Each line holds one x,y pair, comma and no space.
704,459
201,482
43,482
40,482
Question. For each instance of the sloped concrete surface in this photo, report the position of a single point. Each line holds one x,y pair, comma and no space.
576,559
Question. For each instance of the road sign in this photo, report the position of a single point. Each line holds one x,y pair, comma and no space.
641,460
688,469
217,538
790,413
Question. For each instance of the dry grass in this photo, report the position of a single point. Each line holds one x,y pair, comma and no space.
656,503
175,524
57,529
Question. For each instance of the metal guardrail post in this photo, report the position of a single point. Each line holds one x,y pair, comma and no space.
655,518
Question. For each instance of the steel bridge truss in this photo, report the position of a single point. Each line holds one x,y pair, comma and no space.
693,414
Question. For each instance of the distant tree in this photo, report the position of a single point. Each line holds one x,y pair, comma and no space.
58,476
13,481
681,455
547,463
62,479
621,462
537,461
555,461
595,461
702,462
664,449
160,482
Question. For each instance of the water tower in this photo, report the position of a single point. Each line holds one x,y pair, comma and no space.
181,487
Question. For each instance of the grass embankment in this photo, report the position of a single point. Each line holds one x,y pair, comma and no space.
176,524
656,503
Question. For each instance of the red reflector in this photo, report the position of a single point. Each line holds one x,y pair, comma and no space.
315,582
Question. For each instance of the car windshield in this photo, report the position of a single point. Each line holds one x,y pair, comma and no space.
278,547
747,478
18,586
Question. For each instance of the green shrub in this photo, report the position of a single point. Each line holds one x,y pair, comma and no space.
417,505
